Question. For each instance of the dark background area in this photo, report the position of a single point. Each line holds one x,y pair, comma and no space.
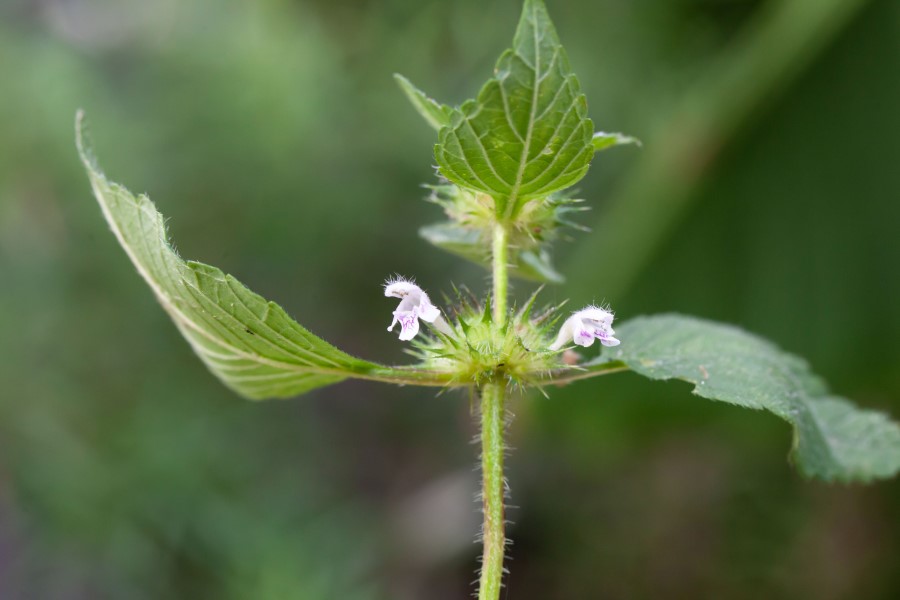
274,138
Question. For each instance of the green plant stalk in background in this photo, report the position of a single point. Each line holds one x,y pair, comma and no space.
507,159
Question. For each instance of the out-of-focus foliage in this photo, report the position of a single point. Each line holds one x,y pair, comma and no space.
765,195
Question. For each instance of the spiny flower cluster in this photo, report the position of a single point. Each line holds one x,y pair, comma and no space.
477,349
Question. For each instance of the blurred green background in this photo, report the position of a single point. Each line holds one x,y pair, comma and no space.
272,135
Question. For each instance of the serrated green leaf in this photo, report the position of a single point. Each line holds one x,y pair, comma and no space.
603,140
533,265
249,343
833,440
528,133
436,114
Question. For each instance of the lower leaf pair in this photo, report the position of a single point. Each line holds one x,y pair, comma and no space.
256,349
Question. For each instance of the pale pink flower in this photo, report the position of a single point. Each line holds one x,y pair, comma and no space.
586,325
414,305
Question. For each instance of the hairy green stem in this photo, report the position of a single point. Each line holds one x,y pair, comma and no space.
499,268
493,489
492,422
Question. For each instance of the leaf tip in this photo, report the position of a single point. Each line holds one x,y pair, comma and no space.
80,130
84,144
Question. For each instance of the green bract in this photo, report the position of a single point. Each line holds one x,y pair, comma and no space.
602,140
531,232
437,115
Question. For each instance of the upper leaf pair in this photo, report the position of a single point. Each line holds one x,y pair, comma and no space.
525,137
528,133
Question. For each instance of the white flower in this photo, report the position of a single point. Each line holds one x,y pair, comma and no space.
414,305
586,325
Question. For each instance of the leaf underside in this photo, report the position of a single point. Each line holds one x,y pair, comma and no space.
251,344
527,134
833,439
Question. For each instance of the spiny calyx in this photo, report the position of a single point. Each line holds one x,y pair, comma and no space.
476,349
